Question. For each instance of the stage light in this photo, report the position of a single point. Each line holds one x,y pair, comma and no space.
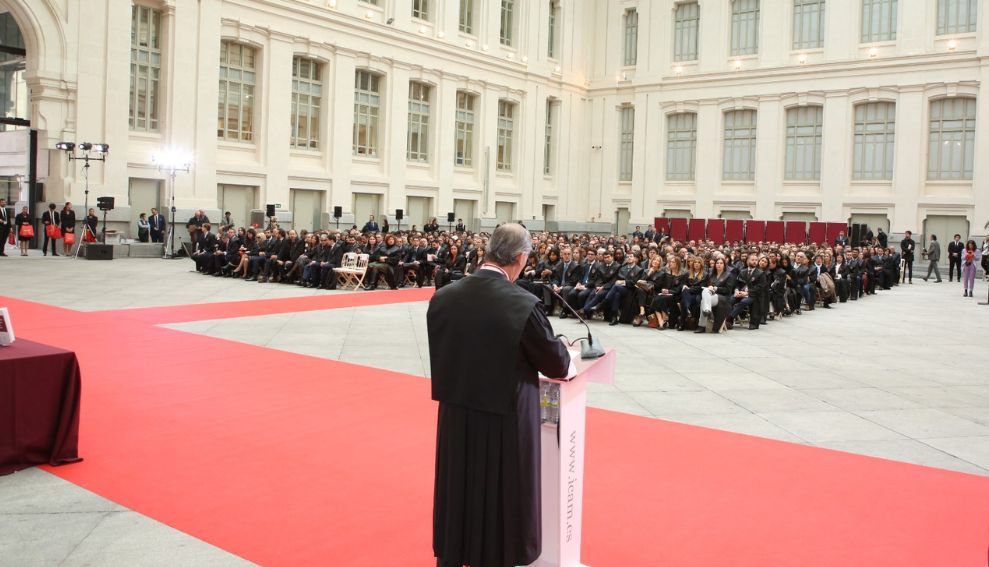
85,146
952,45
485,48
557,69
873,52
525,58
802,59
333,3
101,148
510,56
440,35
738,64
422,29
172,159
369,14
65,146
678,70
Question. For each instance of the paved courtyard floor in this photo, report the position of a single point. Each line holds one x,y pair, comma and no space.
902,375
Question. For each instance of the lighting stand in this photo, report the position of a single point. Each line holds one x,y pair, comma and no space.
68,148
171,163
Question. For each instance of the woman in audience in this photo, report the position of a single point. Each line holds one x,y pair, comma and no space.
452,268
248,249
806,278
666,303
695,281
716,297
477,260
841,272
91,221
22,219
764,294
647,287
777,288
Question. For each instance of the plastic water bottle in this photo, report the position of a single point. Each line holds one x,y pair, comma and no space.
544,401
554,404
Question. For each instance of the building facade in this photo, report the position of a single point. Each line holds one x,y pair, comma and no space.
563,113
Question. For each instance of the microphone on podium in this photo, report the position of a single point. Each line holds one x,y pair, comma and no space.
589,348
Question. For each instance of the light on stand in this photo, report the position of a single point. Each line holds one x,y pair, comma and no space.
170,162
86,150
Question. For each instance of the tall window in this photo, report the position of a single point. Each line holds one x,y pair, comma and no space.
878,20
507,22
417,148
464,138
548,138
420,9
803,142
145,67
681,146
808,24
951,151
740,145
957,16
367,103
744,27
307,92
467,16
236,101
506,130
875,133
631,37
626,143
553,41
685,25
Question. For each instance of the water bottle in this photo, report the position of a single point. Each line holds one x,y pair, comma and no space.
544,401
554,404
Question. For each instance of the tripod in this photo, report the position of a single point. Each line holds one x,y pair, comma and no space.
86,229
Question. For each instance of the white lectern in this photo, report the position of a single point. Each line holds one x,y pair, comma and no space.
563,404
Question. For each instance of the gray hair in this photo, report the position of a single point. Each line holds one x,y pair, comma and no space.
508,241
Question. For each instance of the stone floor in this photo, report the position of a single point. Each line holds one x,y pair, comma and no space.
900,375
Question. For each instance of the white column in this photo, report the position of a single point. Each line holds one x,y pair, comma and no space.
714,39
397,126
836,151
774,32
646,147
110,123
199,189
840,38
980,177
446,108
911,31
341,144
769,159
275,127
910,166
708,169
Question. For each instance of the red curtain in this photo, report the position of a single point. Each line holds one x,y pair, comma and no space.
662,224
796,232
755,231
834,228
695,229
734,230
716,230
774,231
818,232
678,229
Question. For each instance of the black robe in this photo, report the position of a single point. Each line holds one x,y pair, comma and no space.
487,499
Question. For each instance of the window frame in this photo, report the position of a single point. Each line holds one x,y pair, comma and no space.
420,110
681,142
864,144
888,15
506,32
467,15
683,24
626,143
245,91
798,143
367,105
464,122
944,11
804,12
145,70
312,140
938,146
751,147
743,15
630,37
506,135
420,10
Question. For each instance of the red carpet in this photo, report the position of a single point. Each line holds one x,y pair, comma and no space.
286,459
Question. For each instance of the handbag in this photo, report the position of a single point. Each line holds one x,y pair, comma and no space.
645,286
70,238
53,232
26,231
12,239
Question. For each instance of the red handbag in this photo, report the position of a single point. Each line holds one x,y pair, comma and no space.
26,231
88,237
70,238
53,232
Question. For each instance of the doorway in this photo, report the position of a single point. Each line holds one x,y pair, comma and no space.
365,205
239,200
143,195
307,209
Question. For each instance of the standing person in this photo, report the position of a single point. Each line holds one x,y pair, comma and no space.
969,257
370,226
955,249
68,226
227,223
5,226
156,224
143,228
24,218
91,223
385,227
882,238
486,502
985,259
907,246
52,219
195,225
933,256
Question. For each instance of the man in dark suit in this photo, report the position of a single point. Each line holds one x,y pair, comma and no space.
955,249
749,283
486,504
205,246
564,279
370,226
461,227
157,222
195,225
907,246
583,288
841,239
604,278
5,226
882,238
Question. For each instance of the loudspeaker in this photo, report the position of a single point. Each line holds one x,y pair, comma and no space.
104,203
450,217
337,212
99,252
269,210
398,214
855,234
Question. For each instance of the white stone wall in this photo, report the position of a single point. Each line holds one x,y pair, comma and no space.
78,70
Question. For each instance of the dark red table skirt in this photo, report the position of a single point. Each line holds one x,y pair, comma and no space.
39,406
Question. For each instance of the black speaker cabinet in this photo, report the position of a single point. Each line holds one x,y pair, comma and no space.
855,234
398,214
270,210
99,252
450,217
337,212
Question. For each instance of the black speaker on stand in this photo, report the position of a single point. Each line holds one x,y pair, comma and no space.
855,234
399,213
449,220
337,213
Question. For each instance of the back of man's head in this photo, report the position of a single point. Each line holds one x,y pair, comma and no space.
508,241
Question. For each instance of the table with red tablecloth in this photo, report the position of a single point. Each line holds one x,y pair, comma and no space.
39,406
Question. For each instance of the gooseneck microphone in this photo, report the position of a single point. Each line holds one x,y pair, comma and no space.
589,348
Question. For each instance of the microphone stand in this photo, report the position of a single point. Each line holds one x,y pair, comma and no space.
589,348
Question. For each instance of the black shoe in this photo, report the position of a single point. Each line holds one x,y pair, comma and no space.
613,322
251,279
54,254
753,327
700,330
564,315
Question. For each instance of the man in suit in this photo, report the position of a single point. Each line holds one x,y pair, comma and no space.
749,284
907,246
486,504
461,227
933,256
578,295
370,226
52,218
955,249
157,223
602,281
564,278
5,226
205,246
195,225
841,240
882,238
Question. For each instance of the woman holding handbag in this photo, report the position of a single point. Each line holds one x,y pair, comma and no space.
89,231
970,257
68,228
53,229
25,230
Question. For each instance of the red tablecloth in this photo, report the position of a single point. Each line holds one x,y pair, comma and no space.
39,406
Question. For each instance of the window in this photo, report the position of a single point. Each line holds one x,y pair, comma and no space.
951,151
803,142
875,131
878,20
631,37
681,146
467,16
626,143
506,127
808,24
417,148
145,68
236,101
956,16
371,2
420,9
548,141
744,27
367,102
685,24
740,145
553,45
507,22
307,92
464,139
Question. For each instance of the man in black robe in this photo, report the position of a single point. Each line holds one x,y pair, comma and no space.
487,501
